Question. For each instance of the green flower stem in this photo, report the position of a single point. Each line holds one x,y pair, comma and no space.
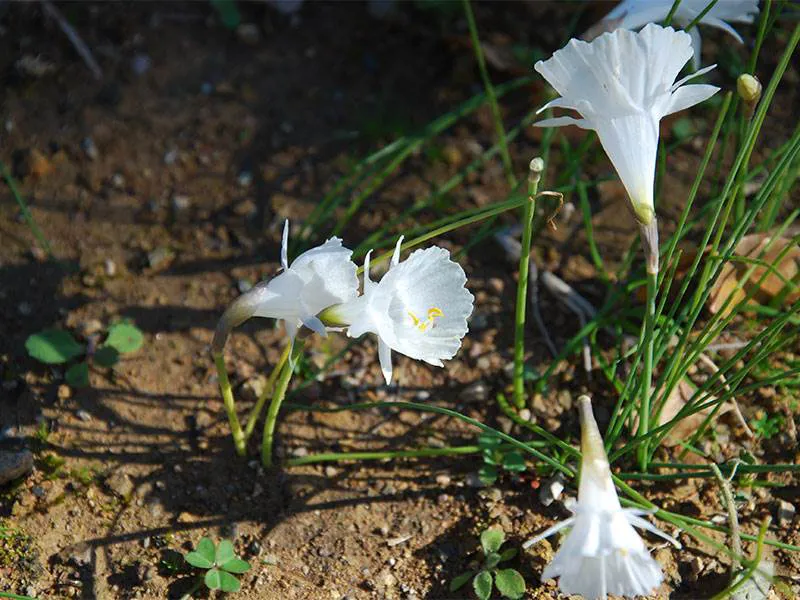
432,408
730,591
535,175
239,441
270,385
647,366
382,454
25,211
275,405
490,95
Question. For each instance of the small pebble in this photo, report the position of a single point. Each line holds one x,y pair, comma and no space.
475,392
25,309
784,512
551,489
244,285
140,64
245,178
64,392
170,156
180,203
83,415
443,480
89,148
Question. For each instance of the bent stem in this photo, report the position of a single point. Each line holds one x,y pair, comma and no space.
262,399
647,366
382,454
230,406
534,176
278,395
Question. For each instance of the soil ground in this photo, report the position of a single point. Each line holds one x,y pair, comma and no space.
153,220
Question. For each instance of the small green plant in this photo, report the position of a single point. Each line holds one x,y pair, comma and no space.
766,426
220,563
497,458
56,346
508,582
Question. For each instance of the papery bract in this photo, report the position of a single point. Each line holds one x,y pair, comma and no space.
602,554
622,84
315,280
419,308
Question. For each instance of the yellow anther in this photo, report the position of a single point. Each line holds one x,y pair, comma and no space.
433,313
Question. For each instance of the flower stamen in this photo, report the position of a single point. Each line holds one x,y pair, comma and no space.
433,313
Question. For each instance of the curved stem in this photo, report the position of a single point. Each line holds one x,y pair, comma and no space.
230,406
275,405
268,387
536,168
382,454
647,369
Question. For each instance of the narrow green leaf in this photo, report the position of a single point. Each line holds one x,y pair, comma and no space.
125,337
509,583
53,346
106,356
482,584
235,565
487,474
491,540
508,554
78,375
229,583
459,580
224,553
513,461
213,579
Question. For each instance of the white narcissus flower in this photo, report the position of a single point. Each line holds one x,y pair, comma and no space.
602,554
633,14
419,308
623,84
315,280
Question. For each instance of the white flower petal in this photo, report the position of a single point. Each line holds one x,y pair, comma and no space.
689,95
622,84
602,553
385,359
562,122
633,14
285,245
419,308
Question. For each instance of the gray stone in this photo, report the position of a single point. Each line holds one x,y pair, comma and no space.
120,484
551,489
784,512
476,392
14,465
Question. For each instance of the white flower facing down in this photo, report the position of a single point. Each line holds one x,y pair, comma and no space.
602,554
633,14
315,280
419,308
622,84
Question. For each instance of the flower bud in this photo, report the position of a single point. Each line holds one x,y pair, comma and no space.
749,89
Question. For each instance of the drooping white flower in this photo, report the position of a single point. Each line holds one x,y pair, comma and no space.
602,554
623,84
633,14
419,308
315,280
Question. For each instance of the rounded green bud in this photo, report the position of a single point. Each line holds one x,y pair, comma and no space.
749,88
